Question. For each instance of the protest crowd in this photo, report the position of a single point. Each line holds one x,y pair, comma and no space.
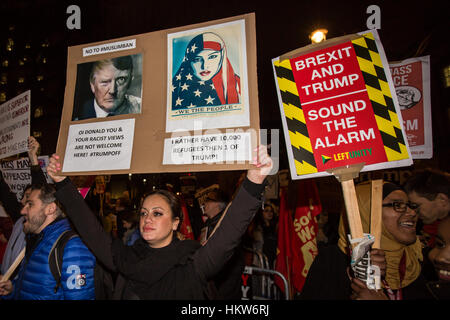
164,246
163,182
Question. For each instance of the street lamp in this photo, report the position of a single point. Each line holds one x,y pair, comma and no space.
318,35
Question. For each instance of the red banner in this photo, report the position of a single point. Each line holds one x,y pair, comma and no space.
186,227
284,251
297,246
83,191
305,231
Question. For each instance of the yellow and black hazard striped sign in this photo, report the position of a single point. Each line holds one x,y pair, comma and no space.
296,124
379,93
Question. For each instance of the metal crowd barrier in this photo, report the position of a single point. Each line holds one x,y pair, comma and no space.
268,290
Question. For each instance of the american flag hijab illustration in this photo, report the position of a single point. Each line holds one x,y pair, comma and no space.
205,77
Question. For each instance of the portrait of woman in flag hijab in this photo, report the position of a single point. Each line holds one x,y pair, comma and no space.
206,76
207,79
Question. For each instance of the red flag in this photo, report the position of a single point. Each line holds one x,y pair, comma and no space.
297,246
186,227
284,251
83,191
304,243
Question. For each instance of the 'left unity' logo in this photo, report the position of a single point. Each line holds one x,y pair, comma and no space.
325,159
347,155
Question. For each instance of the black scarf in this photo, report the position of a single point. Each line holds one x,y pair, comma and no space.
144,266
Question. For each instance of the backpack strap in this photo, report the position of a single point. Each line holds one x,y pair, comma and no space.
55,257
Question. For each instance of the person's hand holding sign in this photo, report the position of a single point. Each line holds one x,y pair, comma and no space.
33,148
54,166
359,288
378,258
263,165
361,292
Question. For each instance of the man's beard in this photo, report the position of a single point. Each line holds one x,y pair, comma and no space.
31,225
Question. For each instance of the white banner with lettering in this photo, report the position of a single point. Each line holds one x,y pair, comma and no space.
99,146
15,125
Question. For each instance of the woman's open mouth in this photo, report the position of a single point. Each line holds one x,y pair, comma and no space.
408,224
444,275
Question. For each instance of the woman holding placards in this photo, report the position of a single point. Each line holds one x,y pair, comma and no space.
399,259
158,265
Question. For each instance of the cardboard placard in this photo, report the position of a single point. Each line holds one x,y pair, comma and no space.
202,194
216,133
15,125
17,173
412,83
339,107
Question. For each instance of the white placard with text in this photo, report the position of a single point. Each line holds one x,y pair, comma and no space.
99,146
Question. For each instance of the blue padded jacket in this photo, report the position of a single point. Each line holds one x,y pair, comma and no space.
36,282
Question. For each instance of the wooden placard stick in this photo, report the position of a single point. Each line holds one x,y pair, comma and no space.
13,267
346,175
376,212
351,205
